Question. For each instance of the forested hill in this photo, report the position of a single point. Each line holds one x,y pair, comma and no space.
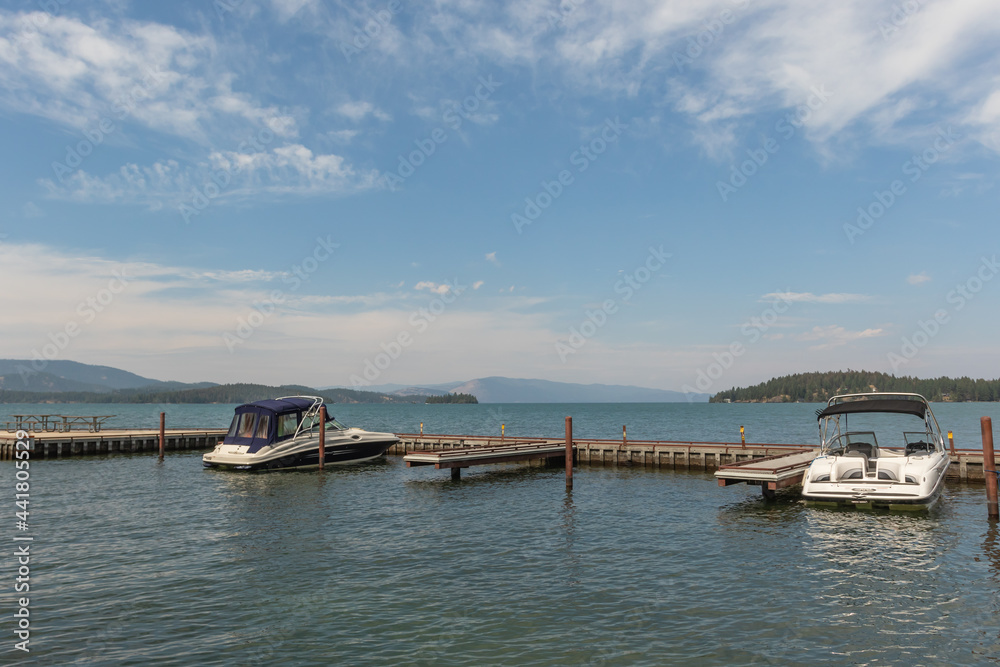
819,387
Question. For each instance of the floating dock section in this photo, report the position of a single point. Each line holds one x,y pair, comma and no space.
770,473
510,451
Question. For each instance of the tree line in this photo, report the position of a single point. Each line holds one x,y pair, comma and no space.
453,398
820,387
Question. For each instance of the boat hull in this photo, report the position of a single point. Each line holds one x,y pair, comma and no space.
303,456
876,494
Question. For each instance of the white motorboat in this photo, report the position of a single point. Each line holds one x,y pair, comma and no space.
284,433
854,468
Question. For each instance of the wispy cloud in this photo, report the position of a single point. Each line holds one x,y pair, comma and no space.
918,278
809,297
834,335
491,257
148,74
357,111
291,169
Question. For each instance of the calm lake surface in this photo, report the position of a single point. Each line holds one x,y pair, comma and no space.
136,562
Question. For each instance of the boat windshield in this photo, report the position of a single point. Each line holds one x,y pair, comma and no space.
334,425
855,441
919,442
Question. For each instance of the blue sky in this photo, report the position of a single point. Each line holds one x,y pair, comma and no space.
674,195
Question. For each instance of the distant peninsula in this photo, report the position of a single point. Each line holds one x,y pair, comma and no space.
453,398
819,387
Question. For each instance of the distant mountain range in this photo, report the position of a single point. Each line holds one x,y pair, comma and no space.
517,390
20,376
49,376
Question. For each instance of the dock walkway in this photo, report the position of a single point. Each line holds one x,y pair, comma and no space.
509,451
770,473
117,441
967,464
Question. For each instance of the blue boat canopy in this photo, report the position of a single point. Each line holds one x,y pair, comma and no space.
262,423
896,405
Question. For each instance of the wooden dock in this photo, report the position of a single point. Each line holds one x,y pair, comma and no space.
121,441
770,473
507,452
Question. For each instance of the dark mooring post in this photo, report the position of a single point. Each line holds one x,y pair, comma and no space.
989,468
951,442
569,453
322,436
163,432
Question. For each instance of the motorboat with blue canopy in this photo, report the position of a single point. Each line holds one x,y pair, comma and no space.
284,433
855,469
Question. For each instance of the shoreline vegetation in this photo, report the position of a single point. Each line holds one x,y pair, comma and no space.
453,398
820,387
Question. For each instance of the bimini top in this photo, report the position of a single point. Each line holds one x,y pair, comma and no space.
876,404
265,422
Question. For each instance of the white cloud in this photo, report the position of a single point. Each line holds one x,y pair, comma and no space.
835,336
771,57
478,284
357,111
809,297
491,257
126,72
436,288
918,278
290,169
32,210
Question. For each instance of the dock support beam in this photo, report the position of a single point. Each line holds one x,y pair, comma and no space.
163,432
569,453
456,474
989,468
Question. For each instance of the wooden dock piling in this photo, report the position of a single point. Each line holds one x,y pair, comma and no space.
569,453
989,468
163,432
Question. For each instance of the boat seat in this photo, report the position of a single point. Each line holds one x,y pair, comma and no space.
860,448
853,473
887,474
